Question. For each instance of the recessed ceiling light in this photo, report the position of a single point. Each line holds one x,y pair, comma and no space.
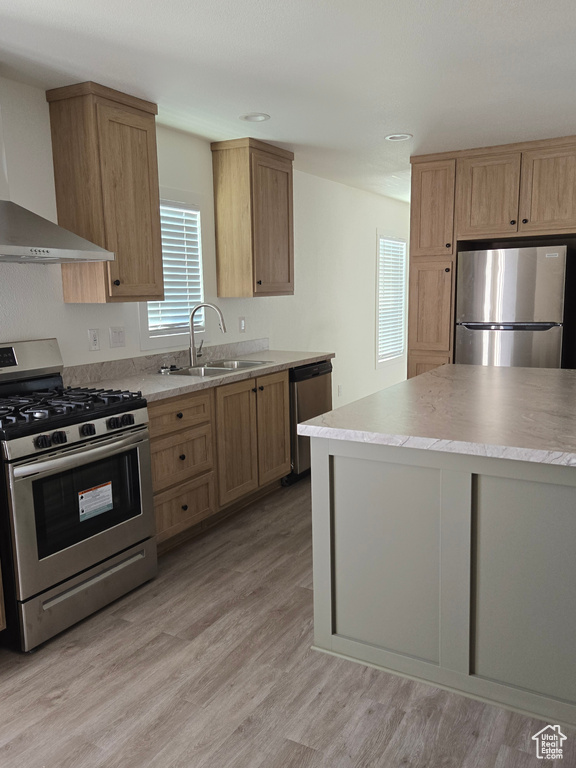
255,117
399,137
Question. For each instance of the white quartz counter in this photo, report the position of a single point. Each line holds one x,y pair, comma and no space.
528,414
155,386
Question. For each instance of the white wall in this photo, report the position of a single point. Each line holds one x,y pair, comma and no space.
335,259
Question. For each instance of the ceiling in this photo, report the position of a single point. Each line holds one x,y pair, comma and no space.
335,75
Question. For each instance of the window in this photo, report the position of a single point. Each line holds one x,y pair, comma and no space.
167,321
390,299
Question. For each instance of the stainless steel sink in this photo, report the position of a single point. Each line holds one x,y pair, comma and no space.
238,364
198,370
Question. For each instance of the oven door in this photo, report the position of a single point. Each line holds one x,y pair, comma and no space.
72,510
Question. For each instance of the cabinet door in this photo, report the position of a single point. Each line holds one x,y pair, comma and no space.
432,208
273,243
131,202
430,305
237,440
273,413
548,190
487,191
422,363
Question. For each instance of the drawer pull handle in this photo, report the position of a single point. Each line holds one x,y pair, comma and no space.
116,282
254,389
179,415
182,456
524,221
447,269
259,282
184,507
448,245
260,388
513,221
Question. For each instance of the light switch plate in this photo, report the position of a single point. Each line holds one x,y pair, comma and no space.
117,336
93,339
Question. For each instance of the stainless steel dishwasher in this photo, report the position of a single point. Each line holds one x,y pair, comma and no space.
310,395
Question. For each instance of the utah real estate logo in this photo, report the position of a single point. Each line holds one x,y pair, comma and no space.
549,743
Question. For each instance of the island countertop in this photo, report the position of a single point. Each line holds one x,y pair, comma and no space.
527,414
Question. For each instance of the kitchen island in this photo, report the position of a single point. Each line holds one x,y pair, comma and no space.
444,522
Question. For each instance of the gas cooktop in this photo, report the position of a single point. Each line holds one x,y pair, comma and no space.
32,412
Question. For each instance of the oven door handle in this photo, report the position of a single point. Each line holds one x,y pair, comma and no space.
79,458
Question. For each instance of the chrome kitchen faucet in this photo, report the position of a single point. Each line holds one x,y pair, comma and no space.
193,354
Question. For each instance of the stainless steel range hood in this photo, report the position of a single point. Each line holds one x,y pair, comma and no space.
26,237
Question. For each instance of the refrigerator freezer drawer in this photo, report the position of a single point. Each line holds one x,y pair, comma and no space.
528,349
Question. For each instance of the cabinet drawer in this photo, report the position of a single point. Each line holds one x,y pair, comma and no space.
179,413
181,456
182,507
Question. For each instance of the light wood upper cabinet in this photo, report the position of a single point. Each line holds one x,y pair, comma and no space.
432,208
106,176
430,305
253,434
254,220
548,191
487,191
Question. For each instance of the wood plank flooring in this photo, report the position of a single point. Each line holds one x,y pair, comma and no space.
209,666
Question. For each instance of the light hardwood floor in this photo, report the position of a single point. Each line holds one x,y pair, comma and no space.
209,666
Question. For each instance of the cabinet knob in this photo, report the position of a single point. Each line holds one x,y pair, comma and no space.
184,507
254,389
258,282
260,388
182,456
116,282
179,415
447,269
448,245
524,221
513,221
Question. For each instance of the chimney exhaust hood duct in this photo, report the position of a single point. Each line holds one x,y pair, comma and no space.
26,237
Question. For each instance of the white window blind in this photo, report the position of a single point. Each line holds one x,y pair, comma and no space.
182,265
391,299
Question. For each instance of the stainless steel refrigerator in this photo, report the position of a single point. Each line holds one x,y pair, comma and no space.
510,307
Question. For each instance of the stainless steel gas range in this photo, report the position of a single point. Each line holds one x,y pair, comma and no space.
76,516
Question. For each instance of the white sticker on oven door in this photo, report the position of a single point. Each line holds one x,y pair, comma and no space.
95,501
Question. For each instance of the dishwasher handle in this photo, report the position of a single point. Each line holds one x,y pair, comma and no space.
310,371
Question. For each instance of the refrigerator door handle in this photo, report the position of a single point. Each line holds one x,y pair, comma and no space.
509,326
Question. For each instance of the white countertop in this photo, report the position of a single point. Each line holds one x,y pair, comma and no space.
155,386
528,414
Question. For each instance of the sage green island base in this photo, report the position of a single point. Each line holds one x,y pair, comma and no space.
444,525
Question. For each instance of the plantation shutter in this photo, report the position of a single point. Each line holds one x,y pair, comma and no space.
182,266
391,299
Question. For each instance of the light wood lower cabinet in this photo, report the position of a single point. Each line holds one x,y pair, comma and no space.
181,447
253,431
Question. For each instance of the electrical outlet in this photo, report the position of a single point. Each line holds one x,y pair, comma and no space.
242,324
339,390
117,336
93,339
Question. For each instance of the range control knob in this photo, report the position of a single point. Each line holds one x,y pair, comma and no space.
127,419
59,437
87,430
43,441
114,422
